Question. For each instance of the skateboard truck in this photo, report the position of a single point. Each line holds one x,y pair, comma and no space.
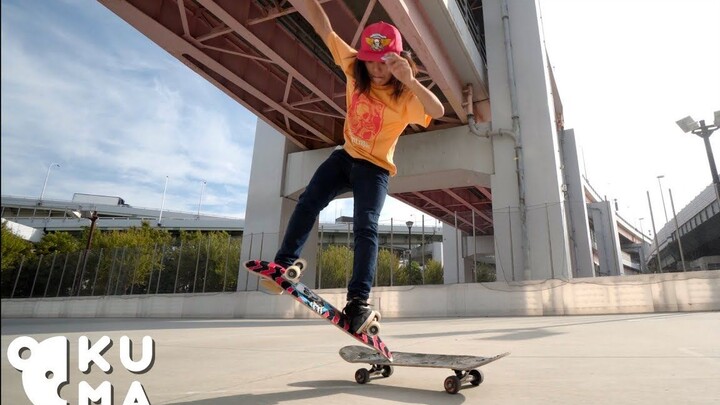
372,325
453,383
362,375
292,274
295,270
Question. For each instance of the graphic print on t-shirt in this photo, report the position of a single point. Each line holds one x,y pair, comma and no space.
365,117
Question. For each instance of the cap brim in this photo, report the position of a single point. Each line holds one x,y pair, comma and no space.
371,56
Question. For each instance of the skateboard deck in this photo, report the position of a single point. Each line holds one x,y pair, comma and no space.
306,296
465,367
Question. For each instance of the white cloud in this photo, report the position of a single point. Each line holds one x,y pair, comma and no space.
116,117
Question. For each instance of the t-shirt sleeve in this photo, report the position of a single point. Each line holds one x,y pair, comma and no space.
343,54
416,112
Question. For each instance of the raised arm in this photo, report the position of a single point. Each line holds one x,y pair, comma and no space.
317,18
433,106
400,68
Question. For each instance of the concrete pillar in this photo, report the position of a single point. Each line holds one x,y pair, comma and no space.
268,211
547,250
607,238
453,262
578,215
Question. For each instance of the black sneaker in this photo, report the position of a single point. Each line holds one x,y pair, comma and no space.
359,314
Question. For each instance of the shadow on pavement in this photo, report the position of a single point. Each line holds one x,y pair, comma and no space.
319,389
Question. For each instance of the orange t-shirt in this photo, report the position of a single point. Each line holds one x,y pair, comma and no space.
375,121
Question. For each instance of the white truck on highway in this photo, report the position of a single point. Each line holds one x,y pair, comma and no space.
97,199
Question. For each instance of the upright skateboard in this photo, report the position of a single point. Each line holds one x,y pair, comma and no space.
465,367
288,280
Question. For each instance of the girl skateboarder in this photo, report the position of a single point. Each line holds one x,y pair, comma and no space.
383,97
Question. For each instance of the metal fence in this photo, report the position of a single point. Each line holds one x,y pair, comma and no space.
206,265
184,268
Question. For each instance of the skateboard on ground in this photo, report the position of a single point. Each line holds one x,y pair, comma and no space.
465,367
278,280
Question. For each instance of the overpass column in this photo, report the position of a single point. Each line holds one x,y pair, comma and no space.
453,252
268,211
608,239
547,254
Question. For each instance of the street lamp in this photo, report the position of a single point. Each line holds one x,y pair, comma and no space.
162,204
93,217
688,124
202,189
42,194
409,225
662,196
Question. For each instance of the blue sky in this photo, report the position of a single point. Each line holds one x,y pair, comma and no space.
82,88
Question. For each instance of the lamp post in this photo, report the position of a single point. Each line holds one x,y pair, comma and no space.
409,225
42,194
657,245
202,190
688,124
677,232
162,203
642,245
93,217
662,197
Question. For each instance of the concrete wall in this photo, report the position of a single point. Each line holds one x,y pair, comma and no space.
692,291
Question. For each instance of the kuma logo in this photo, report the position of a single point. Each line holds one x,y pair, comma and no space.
45,368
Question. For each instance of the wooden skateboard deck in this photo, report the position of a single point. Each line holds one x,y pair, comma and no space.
306,296
465,367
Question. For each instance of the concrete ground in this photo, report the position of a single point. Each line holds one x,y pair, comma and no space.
618,359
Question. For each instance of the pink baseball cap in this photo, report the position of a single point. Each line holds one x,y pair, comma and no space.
378,39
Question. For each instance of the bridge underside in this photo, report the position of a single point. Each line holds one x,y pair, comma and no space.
265,56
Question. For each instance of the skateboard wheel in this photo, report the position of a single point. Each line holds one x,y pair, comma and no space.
477,377
293,273
362,376
373,328
387,371
300,263
452,384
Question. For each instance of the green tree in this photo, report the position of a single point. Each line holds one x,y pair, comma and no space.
126,258
433,272
15,251
61,242
485,272
216,270
387,263
13,248
410,275
336,265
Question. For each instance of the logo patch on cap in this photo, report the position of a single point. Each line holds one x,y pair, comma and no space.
377,42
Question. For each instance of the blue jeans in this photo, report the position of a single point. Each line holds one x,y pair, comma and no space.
338,174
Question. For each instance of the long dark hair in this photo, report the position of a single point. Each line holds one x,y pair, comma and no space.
362,76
